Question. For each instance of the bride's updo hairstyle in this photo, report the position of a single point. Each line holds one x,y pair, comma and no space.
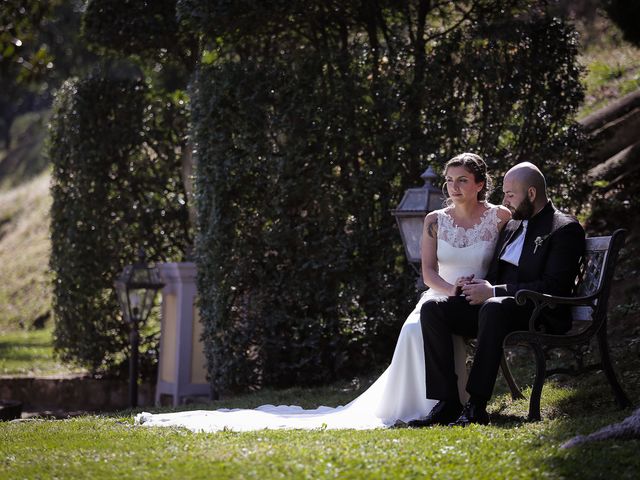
475,165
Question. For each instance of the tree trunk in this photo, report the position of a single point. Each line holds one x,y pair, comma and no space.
5,131
620,166
613,137
187,180
612,111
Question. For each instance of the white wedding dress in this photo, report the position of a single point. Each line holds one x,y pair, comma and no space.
399,394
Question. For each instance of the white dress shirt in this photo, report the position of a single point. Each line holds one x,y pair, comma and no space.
513,251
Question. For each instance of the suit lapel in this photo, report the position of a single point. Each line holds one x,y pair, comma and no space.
536,227
514,227
505,237
540,225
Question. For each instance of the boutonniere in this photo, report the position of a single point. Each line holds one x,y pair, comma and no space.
538,241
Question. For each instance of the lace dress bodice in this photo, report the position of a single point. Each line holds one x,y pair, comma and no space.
462,252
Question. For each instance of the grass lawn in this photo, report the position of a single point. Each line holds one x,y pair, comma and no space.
30,353
25,291
611,65
110,446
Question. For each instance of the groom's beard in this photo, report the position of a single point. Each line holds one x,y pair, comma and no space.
524,211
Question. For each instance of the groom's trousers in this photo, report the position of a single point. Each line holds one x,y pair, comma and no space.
489,323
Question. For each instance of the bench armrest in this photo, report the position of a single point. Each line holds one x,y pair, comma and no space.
544,300
551,300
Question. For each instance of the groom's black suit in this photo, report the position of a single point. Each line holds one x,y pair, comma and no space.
551,268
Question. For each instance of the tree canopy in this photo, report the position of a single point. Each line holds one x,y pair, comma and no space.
39,49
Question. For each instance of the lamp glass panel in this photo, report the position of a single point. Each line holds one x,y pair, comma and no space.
412,234
123,299
135,301
147,304
140,302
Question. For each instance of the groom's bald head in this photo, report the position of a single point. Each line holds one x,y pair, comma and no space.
525,190
526,174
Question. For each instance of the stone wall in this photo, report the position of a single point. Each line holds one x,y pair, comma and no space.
72,393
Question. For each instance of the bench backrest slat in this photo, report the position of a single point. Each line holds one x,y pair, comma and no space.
591,273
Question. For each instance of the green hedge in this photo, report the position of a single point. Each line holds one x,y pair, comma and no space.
304,142
116,188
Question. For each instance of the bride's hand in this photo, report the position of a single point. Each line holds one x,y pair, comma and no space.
459,283
477,291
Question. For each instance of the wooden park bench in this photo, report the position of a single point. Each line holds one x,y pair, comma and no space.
589,311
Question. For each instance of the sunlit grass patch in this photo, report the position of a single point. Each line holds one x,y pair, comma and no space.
25,291
612,69
30,353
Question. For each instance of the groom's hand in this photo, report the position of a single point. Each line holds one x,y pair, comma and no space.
477,291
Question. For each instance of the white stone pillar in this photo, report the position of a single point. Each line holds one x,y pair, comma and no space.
182,365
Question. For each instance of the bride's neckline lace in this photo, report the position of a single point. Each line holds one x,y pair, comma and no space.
486,230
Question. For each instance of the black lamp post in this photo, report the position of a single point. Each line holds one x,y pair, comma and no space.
410,213
136,287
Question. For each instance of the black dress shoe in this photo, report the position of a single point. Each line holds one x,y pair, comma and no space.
443,413
471,413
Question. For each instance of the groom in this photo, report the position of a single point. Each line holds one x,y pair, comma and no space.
539,249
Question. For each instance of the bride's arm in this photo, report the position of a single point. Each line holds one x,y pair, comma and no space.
429,254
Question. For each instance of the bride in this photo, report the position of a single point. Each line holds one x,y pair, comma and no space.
457,244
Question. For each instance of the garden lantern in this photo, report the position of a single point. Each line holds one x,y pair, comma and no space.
136,287
410,213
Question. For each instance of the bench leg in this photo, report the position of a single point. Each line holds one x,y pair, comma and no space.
536,390
516,393
621,397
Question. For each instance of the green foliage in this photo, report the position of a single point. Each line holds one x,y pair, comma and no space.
21,48
116,188
133,27
148,31
502,102
282,236
39,48
307,139
23,58
613,205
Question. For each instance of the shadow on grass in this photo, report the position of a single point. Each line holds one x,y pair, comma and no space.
21,345
502,420
612,458
10,348
579,406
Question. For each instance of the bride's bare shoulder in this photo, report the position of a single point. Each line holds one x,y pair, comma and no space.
445,210
502,212
433,214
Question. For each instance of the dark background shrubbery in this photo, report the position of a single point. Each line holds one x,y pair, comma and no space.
115,190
